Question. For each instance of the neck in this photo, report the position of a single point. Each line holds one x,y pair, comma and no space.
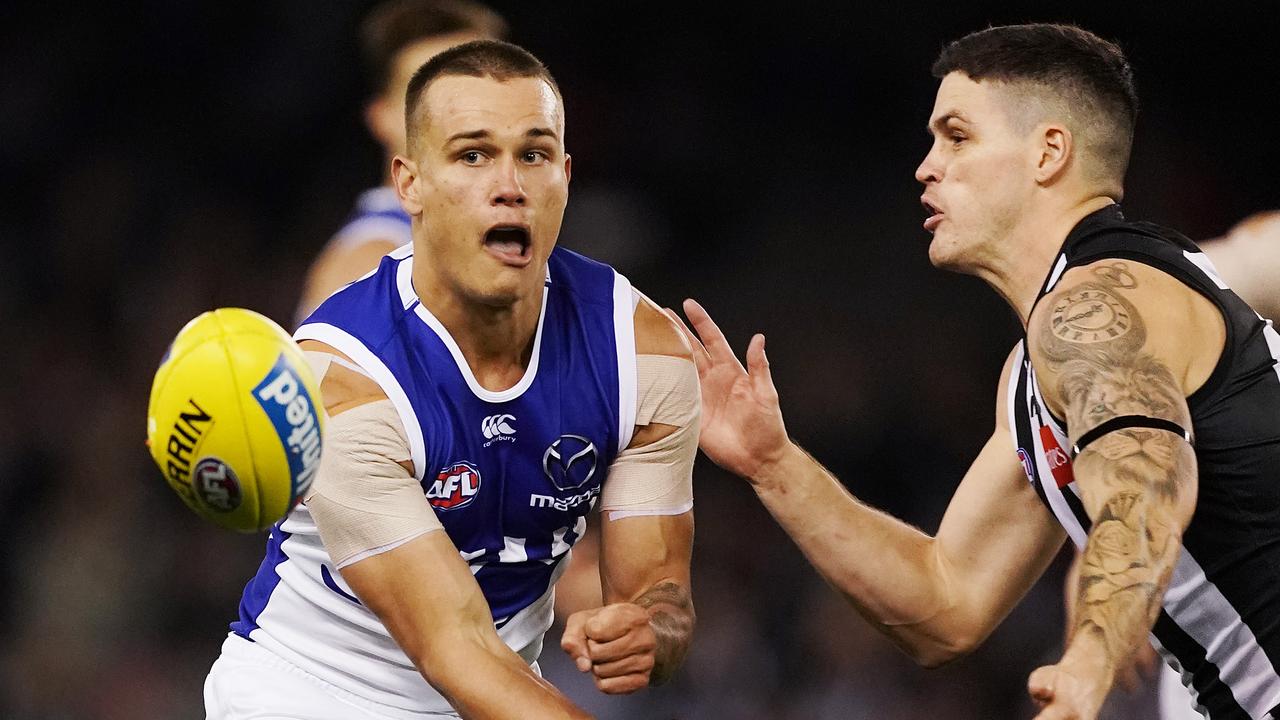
1030,248
496,341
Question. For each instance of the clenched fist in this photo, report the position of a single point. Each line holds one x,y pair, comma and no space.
615,642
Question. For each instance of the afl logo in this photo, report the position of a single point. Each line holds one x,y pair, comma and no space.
454,486
216,485
1027,467
570,462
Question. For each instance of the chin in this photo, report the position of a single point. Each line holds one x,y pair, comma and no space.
947,252
503,289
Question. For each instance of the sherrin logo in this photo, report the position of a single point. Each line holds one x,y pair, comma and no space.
292,411
187,432
455,486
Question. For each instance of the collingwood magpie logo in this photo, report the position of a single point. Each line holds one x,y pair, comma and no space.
497,428
570,462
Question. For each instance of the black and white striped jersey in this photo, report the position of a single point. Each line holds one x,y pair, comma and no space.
1220,622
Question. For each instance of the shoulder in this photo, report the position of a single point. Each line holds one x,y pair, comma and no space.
342,385
1123,313
1112,301
657,333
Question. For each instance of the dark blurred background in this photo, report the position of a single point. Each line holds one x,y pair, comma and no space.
162,158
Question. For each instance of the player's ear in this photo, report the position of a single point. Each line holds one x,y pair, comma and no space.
404,173
568,167
1055,145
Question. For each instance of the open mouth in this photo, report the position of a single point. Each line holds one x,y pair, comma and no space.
509,243
934,215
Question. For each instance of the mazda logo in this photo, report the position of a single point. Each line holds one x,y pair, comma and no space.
570,462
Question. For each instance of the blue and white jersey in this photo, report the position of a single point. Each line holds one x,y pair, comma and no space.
376,216
511,474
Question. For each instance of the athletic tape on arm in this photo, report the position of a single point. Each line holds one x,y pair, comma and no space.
365,502
657,479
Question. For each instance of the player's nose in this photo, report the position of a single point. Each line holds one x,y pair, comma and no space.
507,189
929,170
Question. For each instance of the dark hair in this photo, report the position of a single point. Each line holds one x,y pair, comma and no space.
396,24
495,59
1089,74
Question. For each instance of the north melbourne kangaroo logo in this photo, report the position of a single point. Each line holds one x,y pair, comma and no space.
496,426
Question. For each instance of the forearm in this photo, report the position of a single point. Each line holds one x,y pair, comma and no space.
890,571
671,615
1127,561
483,679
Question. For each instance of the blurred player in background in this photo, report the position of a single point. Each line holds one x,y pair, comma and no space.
396,38
1139,416
1248,259
485,391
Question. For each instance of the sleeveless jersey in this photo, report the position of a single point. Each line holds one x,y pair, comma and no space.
511,475
1220,621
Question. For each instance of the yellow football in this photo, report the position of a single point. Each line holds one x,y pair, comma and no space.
235,421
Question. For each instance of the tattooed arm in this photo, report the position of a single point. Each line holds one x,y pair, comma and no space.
1121,339
642,633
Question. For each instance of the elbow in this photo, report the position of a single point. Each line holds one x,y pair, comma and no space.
940,656
937,651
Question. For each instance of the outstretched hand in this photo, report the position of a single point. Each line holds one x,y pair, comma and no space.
742,428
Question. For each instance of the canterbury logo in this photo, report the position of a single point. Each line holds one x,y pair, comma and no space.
496,425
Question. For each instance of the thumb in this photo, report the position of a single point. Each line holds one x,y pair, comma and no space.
1040,684
758,367
574,640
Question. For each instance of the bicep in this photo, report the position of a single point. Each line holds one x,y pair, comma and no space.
997,537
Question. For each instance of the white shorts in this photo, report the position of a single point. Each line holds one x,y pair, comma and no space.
248,682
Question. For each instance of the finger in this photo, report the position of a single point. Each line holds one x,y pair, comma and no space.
614,621
641,640
758,368
629,665
623,685
1040,684
700,357
574,641
712,339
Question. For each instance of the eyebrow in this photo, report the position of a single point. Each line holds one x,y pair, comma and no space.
941,123
473,135
486,135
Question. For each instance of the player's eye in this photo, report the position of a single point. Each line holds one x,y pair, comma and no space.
472,157
956,139
533,157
